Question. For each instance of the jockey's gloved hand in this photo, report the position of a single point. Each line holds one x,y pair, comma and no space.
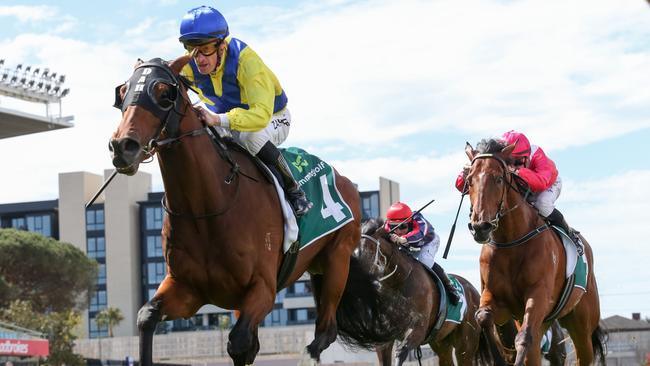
398,239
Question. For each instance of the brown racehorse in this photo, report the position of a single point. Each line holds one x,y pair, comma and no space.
223,234
391,296
523,264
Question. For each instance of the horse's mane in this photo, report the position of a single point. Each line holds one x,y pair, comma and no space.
371,313
493,146
372,225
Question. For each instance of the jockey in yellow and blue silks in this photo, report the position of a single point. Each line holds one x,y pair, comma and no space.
241,93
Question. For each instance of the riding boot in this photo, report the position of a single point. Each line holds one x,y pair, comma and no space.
271,156
556,218
454,297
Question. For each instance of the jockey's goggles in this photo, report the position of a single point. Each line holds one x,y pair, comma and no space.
398,226
206,49
519,162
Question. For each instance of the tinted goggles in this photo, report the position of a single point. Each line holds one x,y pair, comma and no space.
207,49
398,226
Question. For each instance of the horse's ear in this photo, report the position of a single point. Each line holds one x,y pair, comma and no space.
506,151
138,62
178,63
469,150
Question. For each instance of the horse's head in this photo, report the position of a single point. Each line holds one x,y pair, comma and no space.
489,180
153,102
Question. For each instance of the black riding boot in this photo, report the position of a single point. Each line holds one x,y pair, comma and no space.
454,297
271,156
556,218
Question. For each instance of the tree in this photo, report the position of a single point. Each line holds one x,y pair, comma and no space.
109,317
57,326
51,275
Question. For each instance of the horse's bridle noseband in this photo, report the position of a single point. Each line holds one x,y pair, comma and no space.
502,211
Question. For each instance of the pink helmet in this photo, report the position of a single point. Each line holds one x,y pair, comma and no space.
522,146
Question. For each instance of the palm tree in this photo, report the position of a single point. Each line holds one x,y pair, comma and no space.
109,317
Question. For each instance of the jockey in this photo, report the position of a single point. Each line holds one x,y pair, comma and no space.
241,93
531,164
416,233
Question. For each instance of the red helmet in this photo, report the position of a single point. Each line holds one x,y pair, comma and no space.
522,146
398,212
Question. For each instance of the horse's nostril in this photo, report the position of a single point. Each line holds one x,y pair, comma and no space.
130,146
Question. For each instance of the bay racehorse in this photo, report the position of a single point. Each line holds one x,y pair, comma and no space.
223,232
523,264
391,296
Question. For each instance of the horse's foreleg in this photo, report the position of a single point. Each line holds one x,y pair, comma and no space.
385,354
486,316
337,266
243,343
529,337
172,300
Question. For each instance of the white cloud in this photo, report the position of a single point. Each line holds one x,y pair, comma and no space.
26,13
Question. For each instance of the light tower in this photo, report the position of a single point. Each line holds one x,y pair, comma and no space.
32,85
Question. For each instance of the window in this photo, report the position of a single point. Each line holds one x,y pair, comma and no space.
98,301
301,316
18,223
300,288
39,224
95,331
96,247
370,205
155,273
154,218
95,219
154,246
101,274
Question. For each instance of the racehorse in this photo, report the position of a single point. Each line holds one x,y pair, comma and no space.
523,264
391,296
556,354
223,232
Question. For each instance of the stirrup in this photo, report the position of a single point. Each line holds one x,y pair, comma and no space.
299,203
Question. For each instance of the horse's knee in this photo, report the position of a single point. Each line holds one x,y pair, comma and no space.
148,316
523,339
484,317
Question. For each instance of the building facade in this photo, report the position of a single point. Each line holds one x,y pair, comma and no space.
121,231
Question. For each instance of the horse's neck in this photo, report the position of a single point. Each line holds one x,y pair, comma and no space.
516,222
193,174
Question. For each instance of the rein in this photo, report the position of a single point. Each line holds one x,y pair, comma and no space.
517,186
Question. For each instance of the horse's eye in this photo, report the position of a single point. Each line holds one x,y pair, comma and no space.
499,180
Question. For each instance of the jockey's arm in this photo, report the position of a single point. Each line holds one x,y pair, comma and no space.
541,173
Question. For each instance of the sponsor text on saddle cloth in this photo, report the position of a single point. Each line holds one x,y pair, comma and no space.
330,211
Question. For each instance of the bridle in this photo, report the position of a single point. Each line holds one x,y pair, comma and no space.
139,92
512,182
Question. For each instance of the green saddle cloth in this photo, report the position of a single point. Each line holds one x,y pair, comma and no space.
316,178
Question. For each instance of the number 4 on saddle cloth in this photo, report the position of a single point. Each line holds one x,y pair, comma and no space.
330,211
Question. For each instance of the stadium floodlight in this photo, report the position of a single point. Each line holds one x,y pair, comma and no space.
33,84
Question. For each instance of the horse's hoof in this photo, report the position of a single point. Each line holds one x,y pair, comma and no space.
306,359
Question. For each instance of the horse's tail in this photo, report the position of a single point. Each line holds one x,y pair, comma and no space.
368,315
490,349
598,342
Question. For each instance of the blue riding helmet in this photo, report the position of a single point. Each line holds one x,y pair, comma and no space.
203,24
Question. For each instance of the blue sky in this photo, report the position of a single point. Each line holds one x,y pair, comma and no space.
392,89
